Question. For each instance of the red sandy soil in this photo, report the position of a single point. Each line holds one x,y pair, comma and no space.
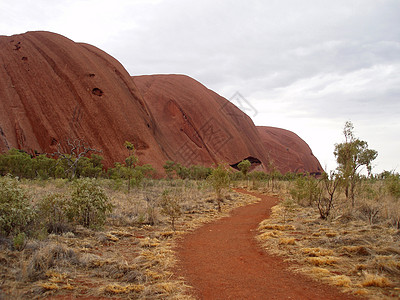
222,260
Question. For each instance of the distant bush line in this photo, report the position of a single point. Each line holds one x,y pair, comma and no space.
18,163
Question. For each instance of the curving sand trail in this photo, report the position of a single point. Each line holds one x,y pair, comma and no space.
222,260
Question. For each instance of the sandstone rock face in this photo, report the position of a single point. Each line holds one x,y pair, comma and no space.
288,152
196,125
53,90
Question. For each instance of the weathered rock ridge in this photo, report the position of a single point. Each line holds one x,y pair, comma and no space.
53,89
196,124
287,151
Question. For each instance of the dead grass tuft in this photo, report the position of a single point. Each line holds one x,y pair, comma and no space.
315,252
331,234
321,261
375,280
51,255
123,289
265,225
287,241
320,271
387,263
49,286
269,234
341,280
357,250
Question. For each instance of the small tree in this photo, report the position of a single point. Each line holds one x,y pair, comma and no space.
219,180
288,208
89,203
169,168
182,171
52,210
244,167
325,202
75,150
305,188
274,173
256,177
372,201
130,163
170,206
15,207
392,182
351,156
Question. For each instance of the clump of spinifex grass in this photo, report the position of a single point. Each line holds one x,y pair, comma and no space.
358,254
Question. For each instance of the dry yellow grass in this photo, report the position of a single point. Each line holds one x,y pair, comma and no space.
131,256
268,235
322,261
123,289
344,250
375,280
317,251
287,241
341,280
265,225
320,271
331,234
49,286
387,263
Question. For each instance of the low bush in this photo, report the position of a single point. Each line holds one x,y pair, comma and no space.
16,211
89,203
170,206
52,211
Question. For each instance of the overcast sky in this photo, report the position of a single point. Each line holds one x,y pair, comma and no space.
307,66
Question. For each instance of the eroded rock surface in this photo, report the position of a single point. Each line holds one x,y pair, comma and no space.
288,152
53,90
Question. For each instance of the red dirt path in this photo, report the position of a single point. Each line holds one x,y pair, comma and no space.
222,260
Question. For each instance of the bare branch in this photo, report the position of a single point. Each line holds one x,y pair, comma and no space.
78,150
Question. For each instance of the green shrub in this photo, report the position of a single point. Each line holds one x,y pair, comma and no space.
244,167
89,203
305,188
257,177
17,163
169,168
15,207
182,171
19,241
52,211
393,185
44,167
170,206
90,167
130,171
219,180
197,172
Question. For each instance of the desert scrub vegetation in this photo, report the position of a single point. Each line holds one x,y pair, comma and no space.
91,238
16,210
344,250
342,228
